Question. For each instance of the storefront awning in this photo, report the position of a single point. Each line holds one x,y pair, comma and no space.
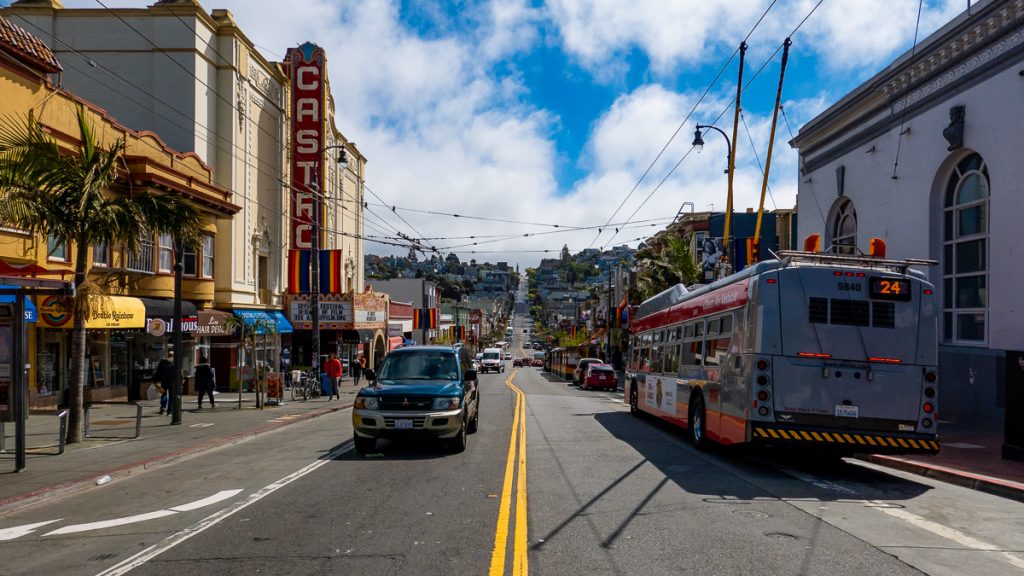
31,314
274,317
108,312
160,315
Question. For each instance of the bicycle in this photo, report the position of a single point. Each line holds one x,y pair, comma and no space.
307,387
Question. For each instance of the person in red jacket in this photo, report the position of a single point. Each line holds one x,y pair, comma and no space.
333,370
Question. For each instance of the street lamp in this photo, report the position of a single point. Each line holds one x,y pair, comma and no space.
698,143
314,279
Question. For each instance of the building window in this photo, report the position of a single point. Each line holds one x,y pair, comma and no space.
965,253
208,256
188,260
56,250
101,254
165,260
844,227
262,280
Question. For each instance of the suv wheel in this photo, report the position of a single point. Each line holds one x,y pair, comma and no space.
458,444
474,424
364,445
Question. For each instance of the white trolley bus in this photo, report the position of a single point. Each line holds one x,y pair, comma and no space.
811,349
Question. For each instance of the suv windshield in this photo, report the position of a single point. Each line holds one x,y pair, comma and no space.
420,366
492,356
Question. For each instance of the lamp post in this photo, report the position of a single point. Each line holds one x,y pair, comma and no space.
314,276
179,266
698,143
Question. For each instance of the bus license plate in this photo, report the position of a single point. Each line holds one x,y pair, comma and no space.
403,424
844,411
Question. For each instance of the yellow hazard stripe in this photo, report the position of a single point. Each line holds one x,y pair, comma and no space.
845,438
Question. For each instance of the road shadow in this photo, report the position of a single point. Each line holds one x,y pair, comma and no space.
407,449
685,465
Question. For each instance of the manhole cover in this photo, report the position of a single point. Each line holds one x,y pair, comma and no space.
780,536
750,513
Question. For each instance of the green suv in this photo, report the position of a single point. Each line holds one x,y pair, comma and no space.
419,390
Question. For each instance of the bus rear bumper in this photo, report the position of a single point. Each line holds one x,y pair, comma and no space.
847,441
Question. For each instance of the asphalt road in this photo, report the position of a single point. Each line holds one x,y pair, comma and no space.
602,492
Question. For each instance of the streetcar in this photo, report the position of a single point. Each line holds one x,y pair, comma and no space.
811,349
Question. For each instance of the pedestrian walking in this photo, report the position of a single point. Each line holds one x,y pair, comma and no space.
357,369
163,377
333,370
205,383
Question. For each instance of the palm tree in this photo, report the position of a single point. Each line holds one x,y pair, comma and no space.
66,195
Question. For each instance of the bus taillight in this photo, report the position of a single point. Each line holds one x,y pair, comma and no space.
762,364
930,376
813,355
928,408
929,392
884,360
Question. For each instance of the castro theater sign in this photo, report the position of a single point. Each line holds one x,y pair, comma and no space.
308,69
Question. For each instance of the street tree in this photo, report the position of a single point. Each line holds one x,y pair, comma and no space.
68,196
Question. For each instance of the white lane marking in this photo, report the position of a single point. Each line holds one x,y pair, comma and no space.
128,564
951,534
19,531
218,497
819,482
75,528
201,425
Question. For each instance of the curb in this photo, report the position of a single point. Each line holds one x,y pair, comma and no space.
20,501
979,482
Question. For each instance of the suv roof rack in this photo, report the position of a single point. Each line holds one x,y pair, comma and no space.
787,257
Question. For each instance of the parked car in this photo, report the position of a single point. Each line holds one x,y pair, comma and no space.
581,368
419,390
537,363
600,376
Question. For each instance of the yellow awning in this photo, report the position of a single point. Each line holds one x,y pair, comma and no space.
108,312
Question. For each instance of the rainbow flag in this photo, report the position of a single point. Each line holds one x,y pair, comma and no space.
299,272
424,319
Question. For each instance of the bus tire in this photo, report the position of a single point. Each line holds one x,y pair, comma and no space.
698,424
634,407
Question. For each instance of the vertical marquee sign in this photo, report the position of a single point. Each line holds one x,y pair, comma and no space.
308,76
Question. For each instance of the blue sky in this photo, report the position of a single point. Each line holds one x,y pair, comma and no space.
550,111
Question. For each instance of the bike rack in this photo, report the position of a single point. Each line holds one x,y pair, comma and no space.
62,434
138,418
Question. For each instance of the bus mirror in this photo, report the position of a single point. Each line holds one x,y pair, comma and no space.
812,243
877,248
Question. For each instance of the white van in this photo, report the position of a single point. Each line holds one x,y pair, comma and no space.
492,360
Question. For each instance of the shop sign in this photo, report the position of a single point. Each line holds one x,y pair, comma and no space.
330,311
394,329
474,316
161,326
212,323
108,312
308,81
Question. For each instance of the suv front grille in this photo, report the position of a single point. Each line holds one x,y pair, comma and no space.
410,404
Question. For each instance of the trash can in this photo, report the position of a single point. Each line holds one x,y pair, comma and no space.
296,377
325,384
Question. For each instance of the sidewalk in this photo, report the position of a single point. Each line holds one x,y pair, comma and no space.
969,458
110,450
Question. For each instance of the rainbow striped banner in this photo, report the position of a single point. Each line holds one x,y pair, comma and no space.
424,319
330,272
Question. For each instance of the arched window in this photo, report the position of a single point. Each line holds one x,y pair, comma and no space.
965,252
844,227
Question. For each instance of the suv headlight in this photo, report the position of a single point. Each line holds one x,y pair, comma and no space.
446,403
367,402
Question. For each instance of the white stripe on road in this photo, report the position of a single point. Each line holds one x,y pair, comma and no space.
19,531
951,534
218,497
173,540
75,528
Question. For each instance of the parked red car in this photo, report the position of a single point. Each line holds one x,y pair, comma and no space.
600,376
537,363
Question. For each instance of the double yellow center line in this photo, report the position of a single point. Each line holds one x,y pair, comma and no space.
513,468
